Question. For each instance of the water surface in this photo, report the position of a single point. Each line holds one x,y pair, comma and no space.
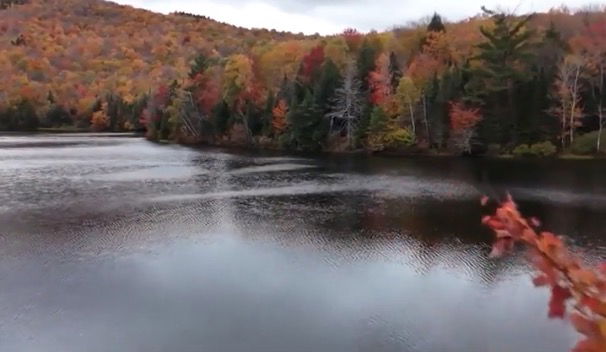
112,243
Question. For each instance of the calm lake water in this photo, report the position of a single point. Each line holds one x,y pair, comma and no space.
112,243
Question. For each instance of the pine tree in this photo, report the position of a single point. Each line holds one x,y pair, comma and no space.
324,91
503,58
307,126
366,63
436,24
394,72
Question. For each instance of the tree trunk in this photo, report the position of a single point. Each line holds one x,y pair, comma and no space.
563,133
412,118
600,108
512,111
349,134
425,120
600,118
574,100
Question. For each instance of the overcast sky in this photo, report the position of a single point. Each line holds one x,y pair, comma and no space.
332,16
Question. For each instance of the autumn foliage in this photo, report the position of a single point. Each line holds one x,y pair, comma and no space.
353,38
311,63
573,285
463,118
379,81
63,59
279,116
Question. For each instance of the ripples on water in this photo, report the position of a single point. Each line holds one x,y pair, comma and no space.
113,243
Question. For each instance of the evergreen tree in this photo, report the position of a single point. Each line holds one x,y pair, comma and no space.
21,117
221,117
503,57
267,114
308,128
57,116
330,80
366,63
436,24
394,72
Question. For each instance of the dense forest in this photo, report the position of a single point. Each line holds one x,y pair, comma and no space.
495,83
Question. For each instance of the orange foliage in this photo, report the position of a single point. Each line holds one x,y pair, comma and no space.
568,278
380,81
279,112
463,118
99,121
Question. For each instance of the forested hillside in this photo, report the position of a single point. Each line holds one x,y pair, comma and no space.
494,83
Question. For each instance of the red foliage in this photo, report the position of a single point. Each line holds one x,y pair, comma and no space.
160,99
207,91
557,303
462,117
380,81
560,269
353,38
598,29
423,68
312,62
155,105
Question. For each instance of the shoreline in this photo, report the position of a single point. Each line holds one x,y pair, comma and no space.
233,146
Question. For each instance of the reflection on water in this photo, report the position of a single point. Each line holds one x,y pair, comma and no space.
114,243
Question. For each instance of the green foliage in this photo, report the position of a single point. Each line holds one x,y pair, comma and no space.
366,62
221,117
57,116
398,138
521,150
308,128
330,80
542,149
378,121
198,66
21,117
587,143
503,61
364,124
394,71
384,134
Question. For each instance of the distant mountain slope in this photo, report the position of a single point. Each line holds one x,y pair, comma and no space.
79,48
494,81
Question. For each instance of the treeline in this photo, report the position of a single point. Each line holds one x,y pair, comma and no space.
518,88
495,83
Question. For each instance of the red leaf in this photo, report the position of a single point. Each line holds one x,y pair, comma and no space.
594,305
542,280
557,304
587,345
584,325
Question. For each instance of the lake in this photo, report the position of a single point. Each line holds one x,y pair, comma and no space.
113,243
